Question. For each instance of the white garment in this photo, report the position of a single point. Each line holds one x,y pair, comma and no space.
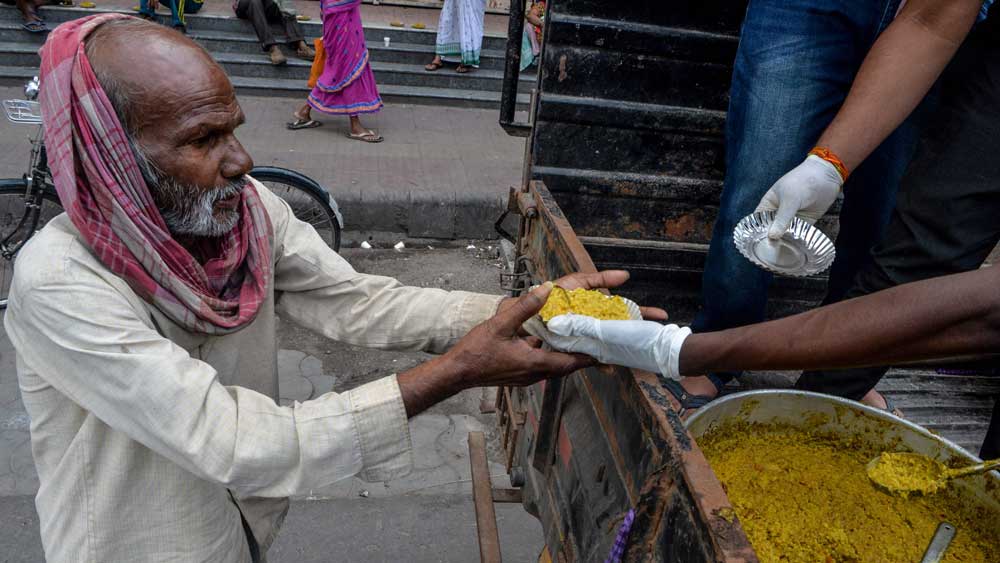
460,31
143,434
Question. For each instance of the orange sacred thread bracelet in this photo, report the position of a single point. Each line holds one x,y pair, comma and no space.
827,155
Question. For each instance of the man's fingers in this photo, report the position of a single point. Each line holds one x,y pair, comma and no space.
510,319
653,313
533,341
593,280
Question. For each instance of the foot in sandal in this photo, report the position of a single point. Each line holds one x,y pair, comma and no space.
367,136
434,65
303,120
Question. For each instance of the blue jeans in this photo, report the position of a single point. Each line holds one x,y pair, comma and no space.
794,66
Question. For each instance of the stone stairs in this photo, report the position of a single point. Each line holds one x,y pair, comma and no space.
398,67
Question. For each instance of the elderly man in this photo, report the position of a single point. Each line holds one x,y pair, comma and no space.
144,320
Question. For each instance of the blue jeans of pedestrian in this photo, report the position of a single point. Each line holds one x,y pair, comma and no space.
794,66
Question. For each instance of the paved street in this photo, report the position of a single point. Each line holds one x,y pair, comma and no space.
452,165
426,516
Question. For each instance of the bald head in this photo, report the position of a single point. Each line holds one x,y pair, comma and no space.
138,62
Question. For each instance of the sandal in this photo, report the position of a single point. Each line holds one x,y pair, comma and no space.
688,402
463,69
35,26
432,66
303,124
367,137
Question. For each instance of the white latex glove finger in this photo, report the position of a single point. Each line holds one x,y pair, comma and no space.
808,190
644,345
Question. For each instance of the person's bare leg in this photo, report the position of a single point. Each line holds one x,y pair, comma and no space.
304,113
27,9
699,385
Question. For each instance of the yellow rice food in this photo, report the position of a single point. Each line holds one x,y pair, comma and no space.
906,473
588,302
804,496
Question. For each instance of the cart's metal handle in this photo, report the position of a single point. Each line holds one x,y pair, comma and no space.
939,543
512,72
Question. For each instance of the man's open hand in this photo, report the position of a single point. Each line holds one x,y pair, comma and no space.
494,354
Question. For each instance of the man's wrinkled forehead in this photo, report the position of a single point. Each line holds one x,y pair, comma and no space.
166,76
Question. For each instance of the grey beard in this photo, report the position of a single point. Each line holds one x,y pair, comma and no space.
188,210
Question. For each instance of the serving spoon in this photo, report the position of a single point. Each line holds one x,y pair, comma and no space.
907,473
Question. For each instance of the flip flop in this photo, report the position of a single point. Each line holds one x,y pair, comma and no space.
431,67
303,124
463,69
687,401
366,137
35,26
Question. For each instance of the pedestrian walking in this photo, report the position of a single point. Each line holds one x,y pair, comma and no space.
346,85
459,35
262,13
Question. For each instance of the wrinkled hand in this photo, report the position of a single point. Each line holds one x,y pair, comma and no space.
645,345
808,190
492,353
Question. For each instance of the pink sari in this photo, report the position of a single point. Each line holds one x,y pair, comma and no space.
347,85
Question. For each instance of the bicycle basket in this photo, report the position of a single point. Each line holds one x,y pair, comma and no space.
23,111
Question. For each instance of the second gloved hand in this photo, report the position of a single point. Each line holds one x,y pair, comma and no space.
808,190
644,345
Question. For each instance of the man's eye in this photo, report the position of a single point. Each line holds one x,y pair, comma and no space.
202,141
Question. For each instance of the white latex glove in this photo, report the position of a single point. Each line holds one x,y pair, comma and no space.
808,190
636,344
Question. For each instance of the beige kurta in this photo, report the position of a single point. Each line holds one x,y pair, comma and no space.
144,433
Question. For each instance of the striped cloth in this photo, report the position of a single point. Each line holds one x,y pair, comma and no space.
106,198
621,540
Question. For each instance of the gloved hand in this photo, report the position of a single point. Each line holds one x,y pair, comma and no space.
636,344
808,190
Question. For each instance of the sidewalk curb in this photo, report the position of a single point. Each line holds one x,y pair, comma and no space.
422,214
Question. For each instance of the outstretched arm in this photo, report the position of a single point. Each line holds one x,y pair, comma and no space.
937,318
895,75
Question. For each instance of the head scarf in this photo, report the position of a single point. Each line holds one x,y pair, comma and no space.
107,199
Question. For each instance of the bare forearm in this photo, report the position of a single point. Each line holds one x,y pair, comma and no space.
943,317
897,73
428,384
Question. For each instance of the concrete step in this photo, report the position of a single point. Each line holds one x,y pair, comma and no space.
386,73
55,15
391,93
396,52
288,88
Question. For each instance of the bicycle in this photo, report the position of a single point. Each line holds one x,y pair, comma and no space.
29,202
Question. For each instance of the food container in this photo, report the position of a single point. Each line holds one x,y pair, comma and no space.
825,413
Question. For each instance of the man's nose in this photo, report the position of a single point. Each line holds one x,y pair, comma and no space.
237,161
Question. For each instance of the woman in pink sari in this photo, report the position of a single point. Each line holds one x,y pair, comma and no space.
346,85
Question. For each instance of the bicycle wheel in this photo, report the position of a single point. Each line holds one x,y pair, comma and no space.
12,209
308,200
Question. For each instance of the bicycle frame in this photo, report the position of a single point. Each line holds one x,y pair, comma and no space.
35,188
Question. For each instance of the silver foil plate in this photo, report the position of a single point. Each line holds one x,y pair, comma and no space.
802,251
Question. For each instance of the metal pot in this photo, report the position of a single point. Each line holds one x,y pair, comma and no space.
850,418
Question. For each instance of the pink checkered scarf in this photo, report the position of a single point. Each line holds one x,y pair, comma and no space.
103,191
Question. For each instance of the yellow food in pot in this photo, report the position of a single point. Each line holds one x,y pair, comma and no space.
804,496
588,302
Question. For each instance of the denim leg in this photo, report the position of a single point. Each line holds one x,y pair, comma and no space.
794,66
144,8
